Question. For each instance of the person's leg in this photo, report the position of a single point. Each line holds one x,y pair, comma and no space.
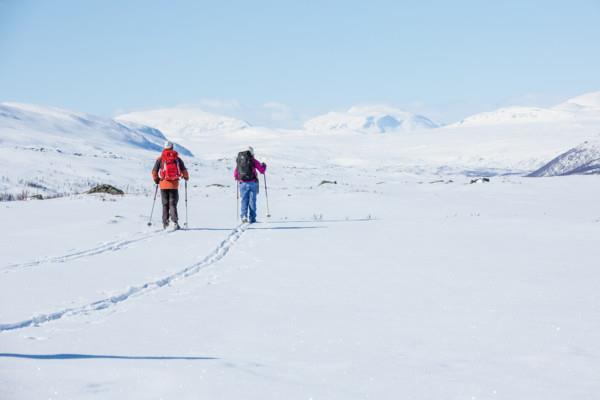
252,202
173,200
164,197
244,197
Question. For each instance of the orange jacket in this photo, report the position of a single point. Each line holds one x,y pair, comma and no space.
165,184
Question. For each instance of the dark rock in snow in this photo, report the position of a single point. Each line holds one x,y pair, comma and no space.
326,182
480,180
105,189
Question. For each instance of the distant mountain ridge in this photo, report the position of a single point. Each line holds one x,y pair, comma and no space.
49,151
33,125
586,106
185,123
370,119
580,160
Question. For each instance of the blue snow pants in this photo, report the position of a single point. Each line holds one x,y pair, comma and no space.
248,192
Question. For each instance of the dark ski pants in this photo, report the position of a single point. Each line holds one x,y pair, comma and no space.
169,198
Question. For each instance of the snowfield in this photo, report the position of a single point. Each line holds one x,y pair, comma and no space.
379,287
383,272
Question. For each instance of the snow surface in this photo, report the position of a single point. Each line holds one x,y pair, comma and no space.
383,286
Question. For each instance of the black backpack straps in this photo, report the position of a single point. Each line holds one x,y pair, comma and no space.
181,164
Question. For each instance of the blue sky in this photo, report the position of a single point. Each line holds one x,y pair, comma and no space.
279,62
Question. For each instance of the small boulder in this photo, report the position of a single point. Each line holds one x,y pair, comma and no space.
108,189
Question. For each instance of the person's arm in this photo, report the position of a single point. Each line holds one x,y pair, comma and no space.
261,167
184,172
155,169
236,174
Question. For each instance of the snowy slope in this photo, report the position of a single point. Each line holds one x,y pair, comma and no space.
185,123
27,125
583,159
46,150
589,102
155,136
574,110
370,119
516,115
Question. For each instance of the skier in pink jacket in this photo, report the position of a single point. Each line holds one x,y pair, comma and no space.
247,178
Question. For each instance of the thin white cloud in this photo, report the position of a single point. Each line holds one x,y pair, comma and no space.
220,104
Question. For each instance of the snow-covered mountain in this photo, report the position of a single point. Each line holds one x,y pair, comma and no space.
69,131
185,123
60,151
579,108
156,136
29,125
516,115
370,119
50,150
583,159
589,102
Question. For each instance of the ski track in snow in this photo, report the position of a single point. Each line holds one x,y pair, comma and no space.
216,255
103,248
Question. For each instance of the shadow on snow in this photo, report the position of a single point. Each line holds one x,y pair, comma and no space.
207,229
68,356
322,221
286,227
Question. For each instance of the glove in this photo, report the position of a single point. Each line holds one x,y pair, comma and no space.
187,179
264,165
156,180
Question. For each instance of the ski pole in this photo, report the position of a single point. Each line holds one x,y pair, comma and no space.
267,196
237,204
186,205
153,202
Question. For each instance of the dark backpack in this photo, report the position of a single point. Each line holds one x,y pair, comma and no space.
245,166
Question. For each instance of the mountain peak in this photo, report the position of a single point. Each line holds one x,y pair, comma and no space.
369,119
586,102
185,122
